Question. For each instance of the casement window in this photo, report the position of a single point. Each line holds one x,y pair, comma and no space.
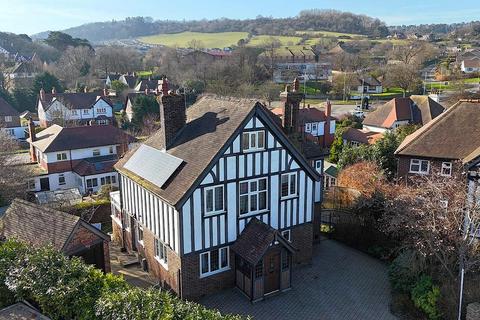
74,112
61,156
289,185
446,170
96,152
253,140
214,261
161,252
114,179
101,110
318,165
61,179
253,196
314,127
105,180
140,234
287,235
92,183
419,166
308,127
86,111
214,201
8,118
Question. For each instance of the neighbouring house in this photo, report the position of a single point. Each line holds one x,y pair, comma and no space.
76,157
162,87
39,226
110,78
10,120
147,86
25,116
470,65
446,146
357,137
401,111
369,84
330,174
21,311
79,108
22,75
129,80
218,197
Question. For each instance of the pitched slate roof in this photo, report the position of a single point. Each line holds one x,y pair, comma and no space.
74,100
369,81
37,225
452,135
304,114
21,311
147,84
415,109
130,80
211,124
95,165
57,138
6,109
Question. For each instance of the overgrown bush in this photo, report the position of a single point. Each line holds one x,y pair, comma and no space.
67,288
425,296
404,271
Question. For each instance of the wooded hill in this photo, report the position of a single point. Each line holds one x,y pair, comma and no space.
329,20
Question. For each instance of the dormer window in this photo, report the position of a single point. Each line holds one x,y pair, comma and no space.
253,140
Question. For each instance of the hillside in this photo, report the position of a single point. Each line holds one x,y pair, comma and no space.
135,27
25,46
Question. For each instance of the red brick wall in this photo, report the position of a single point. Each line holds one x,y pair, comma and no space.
194,287
403,168
302,240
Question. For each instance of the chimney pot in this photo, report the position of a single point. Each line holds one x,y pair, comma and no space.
42,94
54,91
105,92
296,85
85,89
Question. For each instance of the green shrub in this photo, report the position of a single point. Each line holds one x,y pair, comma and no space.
404,272
10,252
425,296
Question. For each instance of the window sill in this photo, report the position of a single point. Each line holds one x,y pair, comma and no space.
250,214
289,197
253,150
216,213
420,173
205,275
162,263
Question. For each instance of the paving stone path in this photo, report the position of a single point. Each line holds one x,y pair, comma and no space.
341,284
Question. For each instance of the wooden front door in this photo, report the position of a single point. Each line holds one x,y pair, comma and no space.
271,271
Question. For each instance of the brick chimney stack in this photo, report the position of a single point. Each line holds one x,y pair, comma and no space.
33,138
173,115
328,137
291,105
42,94
164,85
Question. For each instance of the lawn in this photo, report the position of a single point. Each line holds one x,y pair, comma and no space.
257,41
329,34
472,80
209,40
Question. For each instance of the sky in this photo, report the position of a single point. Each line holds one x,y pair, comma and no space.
33,16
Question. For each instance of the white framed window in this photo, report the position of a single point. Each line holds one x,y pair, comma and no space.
105,180
96,152
92,183
214,261
114,179
74,113
308,127
289,185
8,118
214,201
102,122
253,140
419,166
446,170
61,179
110,149
61,156
253,196
86,111
318,165
101,110
314,126
161,252
140,234
287,235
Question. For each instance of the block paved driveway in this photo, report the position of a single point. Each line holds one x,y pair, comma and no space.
341,284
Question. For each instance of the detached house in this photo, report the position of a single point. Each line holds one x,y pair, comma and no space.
218,197
401,111
74,108
76,157
369,85
10,120
446,146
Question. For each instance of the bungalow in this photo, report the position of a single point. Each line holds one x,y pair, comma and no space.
39,226
470,65
369,84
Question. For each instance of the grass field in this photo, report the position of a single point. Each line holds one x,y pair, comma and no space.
329,34
209,40
285,40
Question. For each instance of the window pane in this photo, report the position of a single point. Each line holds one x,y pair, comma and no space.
262,200
261,139
243,204
253,186
293,183
214,260
262,184
424,166
209,200
204,262
245,144
253,143
218,198
253,202
243,187
223,257
284,185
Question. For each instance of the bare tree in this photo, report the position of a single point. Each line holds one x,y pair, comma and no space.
112,59
403,76
75,63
